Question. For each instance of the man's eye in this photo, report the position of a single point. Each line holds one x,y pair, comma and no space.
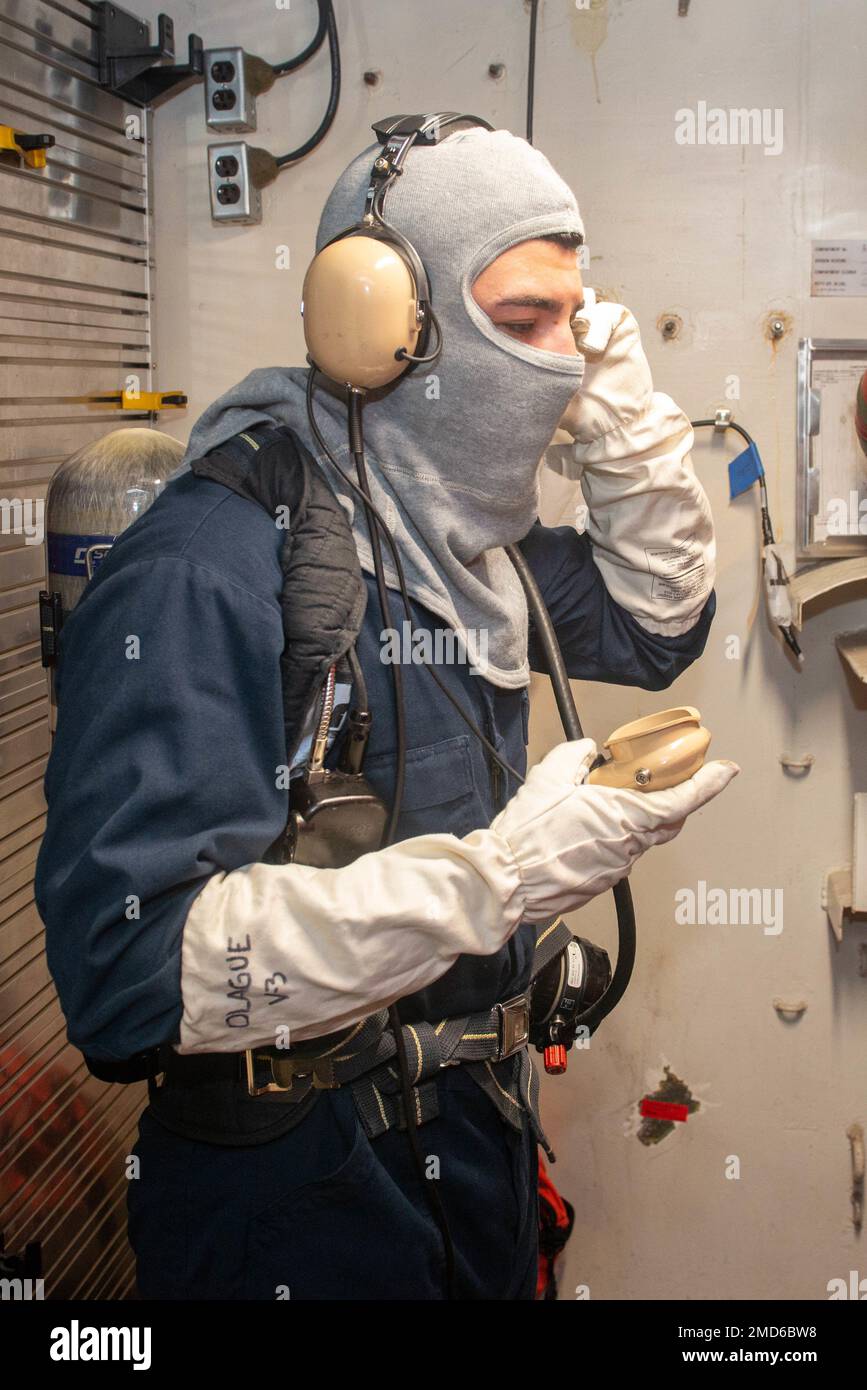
525,326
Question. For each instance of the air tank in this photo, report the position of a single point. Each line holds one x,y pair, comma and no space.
94,496
103,488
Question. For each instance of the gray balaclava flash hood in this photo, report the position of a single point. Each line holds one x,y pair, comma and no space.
454,449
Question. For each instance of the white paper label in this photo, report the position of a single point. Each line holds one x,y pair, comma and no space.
839,268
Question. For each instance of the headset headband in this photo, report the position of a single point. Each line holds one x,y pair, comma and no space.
397,135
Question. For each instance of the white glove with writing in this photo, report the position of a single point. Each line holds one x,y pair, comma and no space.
272,952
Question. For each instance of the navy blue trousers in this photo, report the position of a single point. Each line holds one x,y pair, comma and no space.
326,1213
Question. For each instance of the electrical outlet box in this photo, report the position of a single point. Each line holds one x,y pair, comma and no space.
230,102
234,196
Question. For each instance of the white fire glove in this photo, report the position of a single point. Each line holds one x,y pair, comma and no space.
273,953
572,840
649,520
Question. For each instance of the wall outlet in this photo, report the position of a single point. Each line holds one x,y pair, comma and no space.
234,195
230,102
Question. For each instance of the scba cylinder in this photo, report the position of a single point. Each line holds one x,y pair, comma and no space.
95,495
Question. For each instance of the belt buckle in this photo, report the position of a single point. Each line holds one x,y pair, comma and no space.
279,1072
514,1020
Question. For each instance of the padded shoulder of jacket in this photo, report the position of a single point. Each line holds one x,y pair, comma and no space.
206,524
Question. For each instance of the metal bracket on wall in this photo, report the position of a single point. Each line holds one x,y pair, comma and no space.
837,899
852,646
811,584
132,67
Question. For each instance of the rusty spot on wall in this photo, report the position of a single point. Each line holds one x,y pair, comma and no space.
672,1089
777,325
669,325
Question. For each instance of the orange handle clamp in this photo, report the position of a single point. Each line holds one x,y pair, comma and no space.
555,1059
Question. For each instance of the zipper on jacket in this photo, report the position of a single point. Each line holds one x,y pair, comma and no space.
494,769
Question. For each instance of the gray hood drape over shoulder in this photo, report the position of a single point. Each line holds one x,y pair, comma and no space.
454,450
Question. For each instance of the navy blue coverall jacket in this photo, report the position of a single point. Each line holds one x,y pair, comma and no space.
163,773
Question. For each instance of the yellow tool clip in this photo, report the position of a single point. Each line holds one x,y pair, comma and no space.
30,148
152,400
138,400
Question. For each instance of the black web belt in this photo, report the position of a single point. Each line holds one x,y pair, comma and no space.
492,1044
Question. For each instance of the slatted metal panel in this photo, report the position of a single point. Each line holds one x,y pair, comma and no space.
75,287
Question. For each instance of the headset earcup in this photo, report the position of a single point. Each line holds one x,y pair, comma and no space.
359,304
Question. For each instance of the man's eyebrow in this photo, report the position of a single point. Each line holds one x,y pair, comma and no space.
533,301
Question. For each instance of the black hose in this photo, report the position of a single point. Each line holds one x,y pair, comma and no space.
361,699
292,64
333,97
385,608
550,646
572,729
767,527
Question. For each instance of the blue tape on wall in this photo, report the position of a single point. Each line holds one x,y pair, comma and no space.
744,470
66,554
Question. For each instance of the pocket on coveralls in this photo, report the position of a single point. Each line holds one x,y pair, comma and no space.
352,1235
437,774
